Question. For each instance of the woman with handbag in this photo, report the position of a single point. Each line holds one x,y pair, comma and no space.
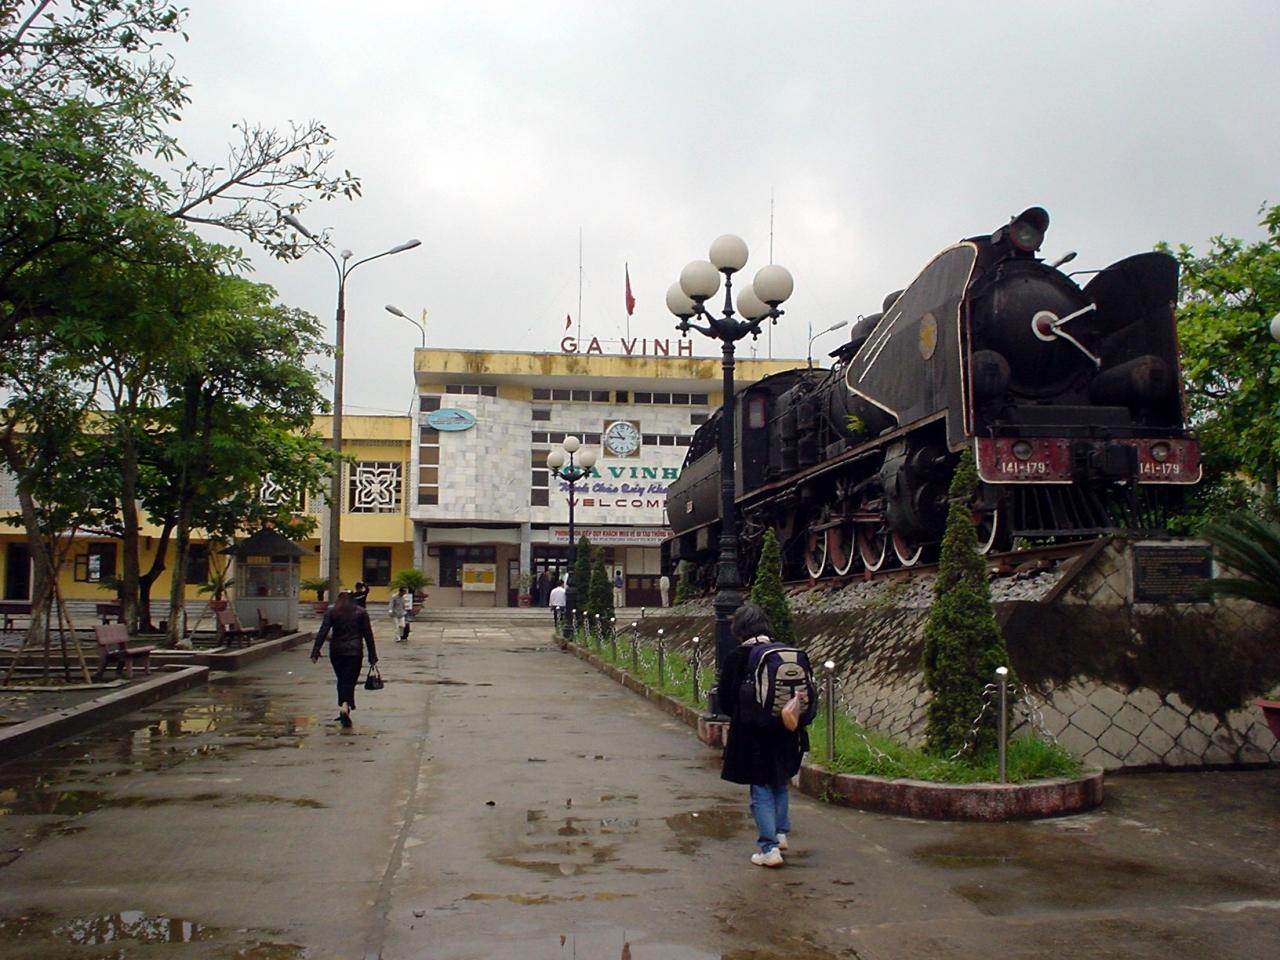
347,628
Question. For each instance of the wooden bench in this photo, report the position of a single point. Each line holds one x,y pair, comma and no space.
113,644
230,631
110,611
13,608
266,629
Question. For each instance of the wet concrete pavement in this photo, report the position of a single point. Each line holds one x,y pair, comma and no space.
499,799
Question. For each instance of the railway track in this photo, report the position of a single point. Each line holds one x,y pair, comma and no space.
1005,564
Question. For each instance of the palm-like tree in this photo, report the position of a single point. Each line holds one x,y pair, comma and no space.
1250,546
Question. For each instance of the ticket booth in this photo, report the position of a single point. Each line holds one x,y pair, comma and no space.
266,578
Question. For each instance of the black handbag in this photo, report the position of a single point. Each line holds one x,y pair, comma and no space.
373,681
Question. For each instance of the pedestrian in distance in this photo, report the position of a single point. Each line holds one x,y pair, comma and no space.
618,592
557,603
764,755
346,626
664,587
361,594
398,611
542,590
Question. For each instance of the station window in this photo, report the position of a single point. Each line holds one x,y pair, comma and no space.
541,393
373,486
541,415
452,558
697,419
622,396
376,566
198,563
428,404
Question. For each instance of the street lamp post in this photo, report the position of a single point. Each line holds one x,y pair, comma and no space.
335,488
699,282
571,464
397,312
814,336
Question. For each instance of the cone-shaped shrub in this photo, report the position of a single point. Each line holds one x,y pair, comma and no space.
684,582
601,589
962,642
767,591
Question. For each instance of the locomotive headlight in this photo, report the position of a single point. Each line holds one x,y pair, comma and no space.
1023,449
1160,452
1026,232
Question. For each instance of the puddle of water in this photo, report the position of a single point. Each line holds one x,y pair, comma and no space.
41,930
715,823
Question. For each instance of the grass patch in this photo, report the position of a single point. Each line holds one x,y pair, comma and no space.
677,671
864,752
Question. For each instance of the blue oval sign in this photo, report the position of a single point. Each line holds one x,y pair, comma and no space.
451,418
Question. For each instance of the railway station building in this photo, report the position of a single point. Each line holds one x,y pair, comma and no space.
459,487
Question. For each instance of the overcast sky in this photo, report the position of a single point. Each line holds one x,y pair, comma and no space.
878,133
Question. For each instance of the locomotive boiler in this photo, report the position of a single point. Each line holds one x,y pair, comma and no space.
1069,398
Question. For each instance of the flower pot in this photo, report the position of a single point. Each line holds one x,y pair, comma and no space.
219,604
525,600
320,607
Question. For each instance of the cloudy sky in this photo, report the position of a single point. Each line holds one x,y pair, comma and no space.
870,135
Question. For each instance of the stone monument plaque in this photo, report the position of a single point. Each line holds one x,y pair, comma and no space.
1172,573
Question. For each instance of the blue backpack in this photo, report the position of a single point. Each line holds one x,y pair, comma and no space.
775,673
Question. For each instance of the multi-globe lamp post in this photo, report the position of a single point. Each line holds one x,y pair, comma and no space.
334,532
757,301
571,462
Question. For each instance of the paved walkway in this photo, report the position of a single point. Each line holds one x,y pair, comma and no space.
499,799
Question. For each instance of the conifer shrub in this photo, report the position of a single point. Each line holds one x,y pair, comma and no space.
766,590
601,589
963,645
684,582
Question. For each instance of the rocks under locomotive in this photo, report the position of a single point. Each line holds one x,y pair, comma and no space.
1069,398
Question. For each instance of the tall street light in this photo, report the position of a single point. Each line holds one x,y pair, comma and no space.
335,488
814,336
699,282
420,324
571,464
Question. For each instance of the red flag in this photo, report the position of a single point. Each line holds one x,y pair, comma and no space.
631,301
568,321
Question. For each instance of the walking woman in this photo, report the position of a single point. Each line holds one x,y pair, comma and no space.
348,630
764,757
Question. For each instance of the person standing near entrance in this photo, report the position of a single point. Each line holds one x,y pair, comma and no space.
557,603
346,626
664,587
618,592
398,611
763,757
542,596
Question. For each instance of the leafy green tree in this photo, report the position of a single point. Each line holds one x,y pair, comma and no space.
1250,545
1231,367
767,592
963,645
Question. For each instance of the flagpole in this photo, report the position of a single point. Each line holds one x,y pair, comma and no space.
579,284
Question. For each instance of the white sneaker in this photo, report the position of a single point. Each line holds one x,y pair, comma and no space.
771,859
782,841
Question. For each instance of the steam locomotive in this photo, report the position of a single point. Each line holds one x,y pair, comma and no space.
1070,399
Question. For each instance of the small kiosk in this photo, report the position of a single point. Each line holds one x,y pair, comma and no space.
266,579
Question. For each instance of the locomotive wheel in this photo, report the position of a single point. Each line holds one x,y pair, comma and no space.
908,554
991,527
842,547
873,544
815,552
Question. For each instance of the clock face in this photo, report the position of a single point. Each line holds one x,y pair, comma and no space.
622,438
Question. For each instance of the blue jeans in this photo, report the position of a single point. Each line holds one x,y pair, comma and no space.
769,807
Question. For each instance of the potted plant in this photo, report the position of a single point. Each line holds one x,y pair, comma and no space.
319,586
413,580
218,584
523,583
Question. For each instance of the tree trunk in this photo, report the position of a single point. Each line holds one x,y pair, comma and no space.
130,529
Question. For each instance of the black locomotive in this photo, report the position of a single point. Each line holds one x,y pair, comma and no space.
1070,399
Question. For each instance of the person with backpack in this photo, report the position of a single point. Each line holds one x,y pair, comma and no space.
766,689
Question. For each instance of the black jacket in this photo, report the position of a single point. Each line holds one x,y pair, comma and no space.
765,756
347,635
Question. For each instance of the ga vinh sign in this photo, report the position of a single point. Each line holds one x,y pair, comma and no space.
450,419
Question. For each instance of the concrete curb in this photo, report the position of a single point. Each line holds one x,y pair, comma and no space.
231,659
31,735
920,799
